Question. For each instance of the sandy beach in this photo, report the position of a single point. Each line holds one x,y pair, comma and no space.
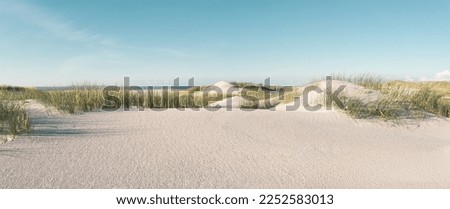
225,149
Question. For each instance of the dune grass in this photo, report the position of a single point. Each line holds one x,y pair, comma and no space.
400,99
13,119
77,99
432,101
369,81
183,100
288,95
391,105
88,97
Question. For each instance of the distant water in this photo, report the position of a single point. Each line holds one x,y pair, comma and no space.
63,88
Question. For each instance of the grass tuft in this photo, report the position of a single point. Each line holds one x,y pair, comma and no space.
400,99
369,81
13,119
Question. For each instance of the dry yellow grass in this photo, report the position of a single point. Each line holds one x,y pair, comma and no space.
400,99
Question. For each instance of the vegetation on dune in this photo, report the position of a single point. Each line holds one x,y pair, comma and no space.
288,94
369,81
78,98
183,100
391,105
13,119
87,97
400,99
13,116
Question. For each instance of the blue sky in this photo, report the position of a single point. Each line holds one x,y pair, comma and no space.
51,42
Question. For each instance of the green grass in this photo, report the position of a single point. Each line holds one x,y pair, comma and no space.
400,99
431,101
184,100
290,94
87,97
390,106
369,81
13,119
78,99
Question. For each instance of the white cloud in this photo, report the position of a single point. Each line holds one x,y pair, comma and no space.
444,75
441,76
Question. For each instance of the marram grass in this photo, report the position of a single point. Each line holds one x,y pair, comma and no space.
401,100
398,100
13,119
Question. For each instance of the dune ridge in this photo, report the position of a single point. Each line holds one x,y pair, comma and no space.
225,149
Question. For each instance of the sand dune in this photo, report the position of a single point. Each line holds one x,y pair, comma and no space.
225,149
350,91
233,102
224,87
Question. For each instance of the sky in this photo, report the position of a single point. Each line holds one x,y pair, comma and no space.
53,42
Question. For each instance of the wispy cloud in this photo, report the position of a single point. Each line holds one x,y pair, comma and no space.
101,56
67,30
53,24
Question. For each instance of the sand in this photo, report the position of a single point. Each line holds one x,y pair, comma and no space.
225,149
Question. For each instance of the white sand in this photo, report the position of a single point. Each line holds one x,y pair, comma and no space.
237,149
351,90
233,102
224,87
